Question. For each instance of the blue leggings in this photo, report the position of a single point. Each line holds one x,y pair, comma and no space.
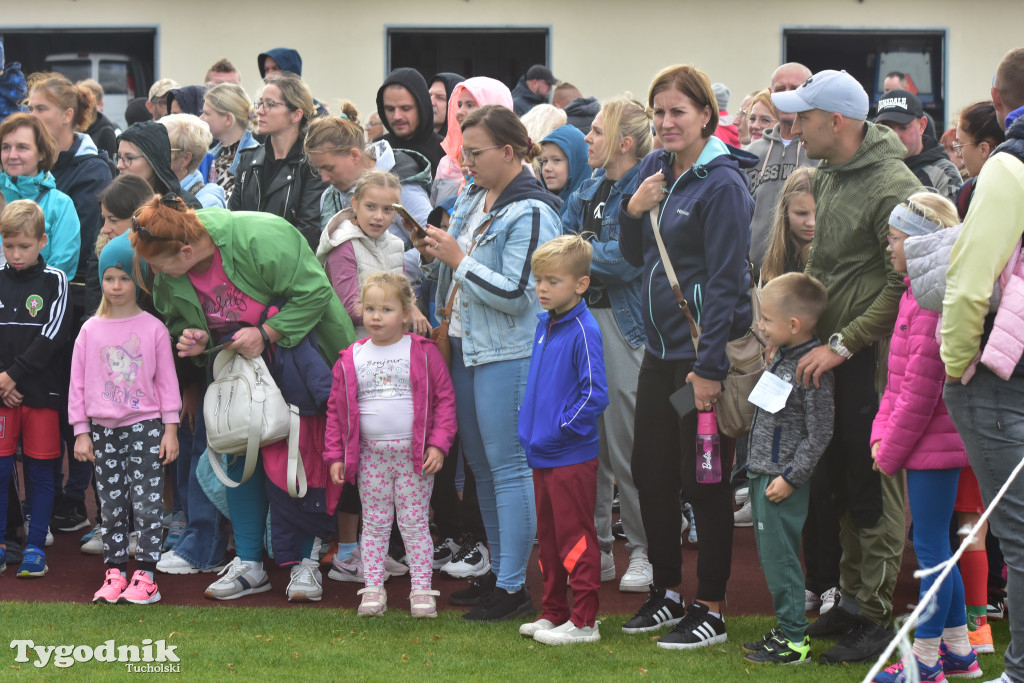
932,494
40,475
248,507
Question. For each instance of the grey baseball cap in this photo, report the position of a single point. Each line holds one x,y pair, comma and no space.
831,91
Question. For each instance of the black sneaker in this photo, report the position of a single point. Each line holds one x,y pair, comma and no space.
697,629
864,642
618,532
835,622
758,645
500,605
72,517
656,613
444,551
478,589
779,650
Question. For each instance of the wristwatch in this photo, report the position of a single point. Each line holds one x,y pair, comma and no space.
835,344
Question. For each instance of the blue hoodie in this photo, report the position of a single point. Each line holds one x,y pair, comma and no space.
570,140
288,59
63,232
566,390
705,224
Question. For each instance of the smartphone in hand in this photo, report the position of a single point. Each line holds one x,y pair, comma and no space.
410,223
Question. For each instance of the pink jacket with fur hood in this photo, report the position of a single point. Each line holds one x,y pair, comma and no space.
912,422
433,403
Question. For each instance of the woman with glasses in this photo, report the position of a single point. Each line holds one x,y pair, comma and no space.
761,116
144,149
276,177
977,134
482,267
229,113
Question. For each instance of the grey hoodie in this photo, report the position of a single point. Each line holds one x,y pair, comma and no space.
775,162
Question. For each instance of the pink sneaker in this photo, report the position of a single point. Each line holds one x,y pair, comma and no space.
141,591
113,585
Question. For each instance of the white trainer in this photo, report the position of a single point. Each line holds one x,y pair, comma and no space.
238,579
531,629
607,567
306,583
639,574
744,516
569,634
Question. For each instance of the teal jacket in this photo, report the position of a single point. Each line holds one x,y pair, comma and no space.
63,231
268,259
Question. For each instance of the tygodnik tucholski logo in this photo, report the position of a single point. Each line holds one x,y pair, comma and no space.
150,657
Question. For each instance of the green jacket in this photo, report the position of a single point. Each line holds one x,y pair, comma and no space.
266,258
853,202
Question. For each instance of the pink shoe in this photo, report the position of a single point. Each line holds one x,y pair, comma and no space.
113,585
141,591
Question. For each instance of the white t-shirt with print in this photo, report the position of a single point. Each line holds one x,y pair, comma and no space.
384,390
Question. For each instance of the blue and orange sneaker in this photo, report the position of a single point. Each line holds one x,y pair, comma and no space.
897,673
33,563
957,666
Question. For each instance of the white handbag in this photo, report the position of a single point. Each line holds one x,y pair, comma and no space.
244,410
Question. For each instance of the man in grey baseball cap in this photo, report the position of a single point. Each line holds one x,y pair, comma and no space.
860,178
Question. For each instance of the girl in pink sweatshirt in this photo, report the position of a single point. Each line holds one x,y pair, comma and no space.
123,404
913,431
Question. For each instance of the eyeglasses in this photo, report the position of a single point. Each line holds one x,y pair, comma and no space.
267,105
468,155
958,147
126,159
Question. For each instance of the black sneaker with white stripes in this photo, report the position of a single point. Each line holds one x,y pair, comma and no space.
697,629
656,613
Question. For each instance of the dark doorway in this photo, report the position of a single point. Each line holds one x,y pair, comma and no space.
869,55
501,53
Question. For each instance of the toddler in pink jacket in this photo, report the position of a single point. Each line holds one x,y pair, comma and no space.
913,431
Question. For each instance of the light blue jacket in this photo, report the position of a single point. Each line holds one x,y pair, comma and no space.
499,302
63,231
208,194
246,142
622,279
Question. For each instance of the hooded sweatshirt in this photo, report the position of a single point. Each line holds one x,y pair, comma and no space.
82,172
423,140
934,169
190,99
776,160
449,173
288,59
154,144
450,80
524,98
63,238
104,134
570,140
581,112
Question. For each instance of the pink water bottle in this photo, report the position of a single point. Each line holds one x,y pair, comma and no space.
709,460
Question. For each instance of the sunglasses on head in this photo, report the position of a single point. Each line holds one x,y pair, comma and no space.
171,200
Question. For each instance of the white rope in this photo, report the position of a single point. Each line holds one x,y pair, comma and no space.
901,639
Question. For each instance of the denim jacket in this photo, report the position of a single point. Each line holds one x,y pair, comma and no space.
496,287
622,279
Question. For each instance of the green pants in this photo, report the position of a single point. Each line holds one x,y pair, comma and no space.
777,528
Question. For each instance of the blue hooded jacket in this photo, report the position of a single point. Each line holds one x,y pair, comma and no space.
288,59
570,140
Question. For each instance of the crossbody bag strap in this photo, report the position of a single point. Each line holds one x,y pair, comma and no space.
446,312
296,470
670,271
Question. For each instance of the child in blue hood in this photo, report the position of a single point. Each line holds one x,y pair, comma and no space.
563,163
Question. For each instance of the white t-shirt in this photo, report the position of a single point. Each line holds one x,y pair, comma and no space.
385,390
465,240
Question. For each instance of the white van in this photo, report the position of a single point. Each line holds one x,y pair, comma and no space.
120,75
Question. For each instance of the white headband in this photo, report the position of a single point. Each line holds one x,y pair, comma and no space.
905,220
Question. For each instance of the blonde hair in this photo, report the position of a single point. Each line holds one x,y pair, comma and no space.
230,98
762,97
543,119
188,133
779,240
798,295
333,134
933,207
396,283
295,94
94,87
375,178
625,117
23,216
566,253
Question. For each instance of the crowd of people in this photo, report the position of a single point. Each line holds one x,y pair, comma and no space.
484,308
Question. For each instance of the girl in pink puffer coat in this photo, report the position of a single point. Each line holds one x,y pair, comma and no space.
913,431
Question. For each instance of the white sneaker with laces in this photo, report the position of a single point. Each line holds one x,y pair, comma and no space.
742,495
238,579
306,583
531,629
471,562
94,546
829,599
444,550
569,634
639,574
744,516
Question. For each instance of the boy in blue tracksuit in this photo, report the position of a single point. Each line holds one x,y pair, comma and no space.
566,393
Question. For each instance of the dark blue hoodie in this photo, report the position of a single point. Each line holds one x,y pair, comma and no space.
705,224
570,140
288,59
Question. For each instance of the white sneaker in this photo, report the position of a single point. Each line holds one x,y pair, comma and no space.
238,579
811,600
742,495
374,602
133,543
471,561
531,629
829,599
169,563
350,569
568,634
49,534
94,546
639,574
607,567
306,584
744,516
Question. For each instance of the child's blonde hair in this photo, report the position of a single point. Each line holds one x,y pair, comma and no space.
382,179
23,216
798,295
933,207
569,253
779,241
389,281
103,310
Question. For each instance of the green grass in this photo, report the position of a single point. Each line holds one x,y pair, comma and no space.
333,644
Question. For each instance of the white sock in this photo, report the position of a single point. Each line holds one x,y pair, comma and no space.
716,615
957,640
672,595
258,566
927,649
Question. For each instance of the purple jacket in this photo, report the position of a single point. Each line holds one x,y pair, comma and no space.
912,422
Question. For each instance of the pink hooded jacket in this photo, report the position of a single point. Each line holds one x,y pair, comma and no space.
485,91
1005,345
433,403
912,422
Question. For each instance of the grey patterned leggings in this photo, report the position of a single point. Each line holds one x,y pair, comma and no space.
128,471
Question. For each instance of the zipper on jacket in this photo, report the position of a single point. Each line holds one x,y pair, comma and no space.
543,348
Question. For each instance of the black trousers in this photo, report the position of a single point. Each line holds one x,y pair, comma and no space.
456,517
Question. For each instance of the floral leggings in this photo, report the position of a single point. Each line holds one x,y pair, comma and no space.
388,483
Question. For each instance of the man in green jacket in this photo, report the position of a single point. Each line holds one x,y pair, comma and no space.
860,178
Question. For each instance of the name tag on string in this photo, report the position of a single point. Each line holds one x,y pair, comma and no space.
770,393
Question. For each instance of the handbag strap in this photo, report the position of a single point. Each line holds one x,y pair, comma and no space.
296,471
446,312
670,271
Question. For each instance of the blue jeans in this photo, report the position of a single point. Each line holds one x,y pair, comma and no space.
989,415
487,399
203,543
40,474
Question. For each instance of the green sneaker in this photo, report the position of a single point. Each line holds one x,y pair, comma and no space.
778,650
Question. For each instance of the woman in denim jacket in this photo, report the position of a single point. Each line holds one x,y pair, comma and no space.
483,263
619,138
